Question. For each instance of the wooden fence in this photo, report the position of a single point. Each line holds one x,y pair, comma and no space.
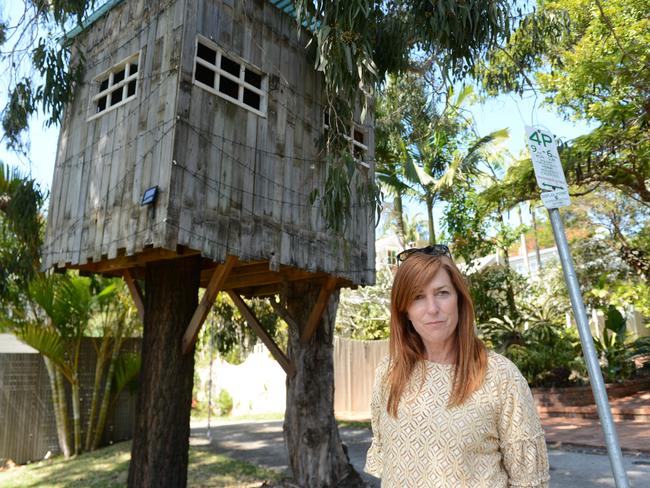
354,372
27,425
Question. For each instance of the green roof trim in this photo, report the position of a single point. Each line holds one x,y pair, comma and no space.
90,20
286,6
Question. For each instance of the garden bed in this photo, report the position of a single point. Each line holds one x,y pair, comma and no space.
629,400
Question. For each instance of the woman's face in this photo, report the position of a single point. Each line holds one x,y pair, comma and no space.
434,314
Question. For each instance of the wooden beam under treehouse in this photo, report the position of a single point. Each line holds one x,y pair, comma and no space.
139,259
254,323
214,286
319,307
136,292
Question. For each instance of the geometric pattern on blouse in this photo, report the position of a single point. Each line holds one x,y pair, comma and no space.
493,440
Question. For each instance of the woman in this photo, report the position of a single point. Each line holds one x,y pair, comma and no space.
445,411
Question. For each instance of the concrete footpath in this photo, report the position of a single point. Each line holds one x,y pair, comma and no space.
572,466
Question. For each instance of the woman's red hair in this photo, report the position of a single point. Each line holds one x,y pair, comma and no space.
406,346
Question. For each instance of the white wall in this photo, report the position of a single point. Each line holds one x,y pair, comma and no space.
256,386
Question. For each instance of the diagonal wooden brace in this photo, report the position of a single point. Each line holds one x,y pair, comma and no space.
319,307
284,314
136,293
214,286
277,353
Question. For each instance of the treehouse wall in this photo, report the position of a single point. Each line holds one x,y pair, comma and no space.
106,161
231,180
242,180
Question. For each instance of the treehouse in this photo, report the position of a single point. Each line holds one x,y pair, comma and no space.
198,129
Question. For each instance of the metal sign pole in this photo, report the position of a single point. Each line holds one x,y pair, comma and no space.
593,367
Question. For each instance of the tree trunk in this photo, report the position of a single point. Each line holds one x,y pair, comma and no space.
432,229
76,414
399,215
316,454
60,408
99,373
159,455
103,409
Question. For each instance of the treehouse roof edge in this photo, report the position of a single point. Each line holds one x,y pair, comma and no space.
286,6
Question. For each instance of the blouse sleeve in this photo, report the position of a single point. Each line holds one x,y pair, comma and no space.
521,437
375,456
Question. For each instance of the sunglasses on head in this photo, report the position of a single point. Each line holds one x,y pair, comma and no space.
435,250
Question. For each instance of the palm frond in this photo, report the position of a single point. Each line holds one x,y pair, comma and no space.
45,341
127,369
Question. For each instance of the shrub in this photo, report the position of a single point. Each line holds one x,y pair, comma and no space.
224,403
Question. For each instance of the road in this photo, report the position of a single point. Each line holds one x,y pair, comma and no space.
261,443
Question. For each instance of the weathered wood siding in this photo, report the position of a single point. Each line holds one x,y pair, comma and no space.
242,181
231,181
105,164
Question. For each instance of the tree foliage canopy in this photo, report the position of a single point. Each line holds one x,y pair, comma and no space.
590,60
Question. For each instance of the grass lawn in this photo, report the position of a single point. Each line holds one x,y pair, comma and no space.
108,467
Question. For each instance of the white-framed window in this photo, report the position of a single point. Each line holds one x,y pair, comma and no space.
358,139
391,257
229,77
116,86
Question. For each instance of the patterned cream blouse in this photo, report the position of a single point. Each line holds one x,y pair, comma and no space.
492,440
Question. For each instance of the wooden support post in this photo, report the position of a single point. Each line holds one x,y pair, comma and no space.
136,292
317,312
277,353
214,286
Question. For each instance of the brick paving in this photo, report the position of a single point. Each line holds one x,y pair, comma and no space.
633,432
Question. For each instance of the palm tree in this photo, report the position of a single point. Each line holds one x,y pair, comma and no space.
65,304
439,157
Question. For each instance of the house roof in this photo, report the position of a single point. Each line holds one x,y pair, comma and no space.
286,6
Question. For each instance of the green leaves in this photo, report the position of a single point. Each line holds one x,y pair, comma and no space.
590,61
15,117
615,322
66,300
127,369
45,341
335,201
44,77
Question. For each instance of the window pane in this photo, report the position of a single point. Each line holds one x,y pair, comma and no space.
131,89
204,75
359,153
103,85
230,66
133,68
358,136
101,104
204,52
253,78
251,99
119,76
228,87
116,96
